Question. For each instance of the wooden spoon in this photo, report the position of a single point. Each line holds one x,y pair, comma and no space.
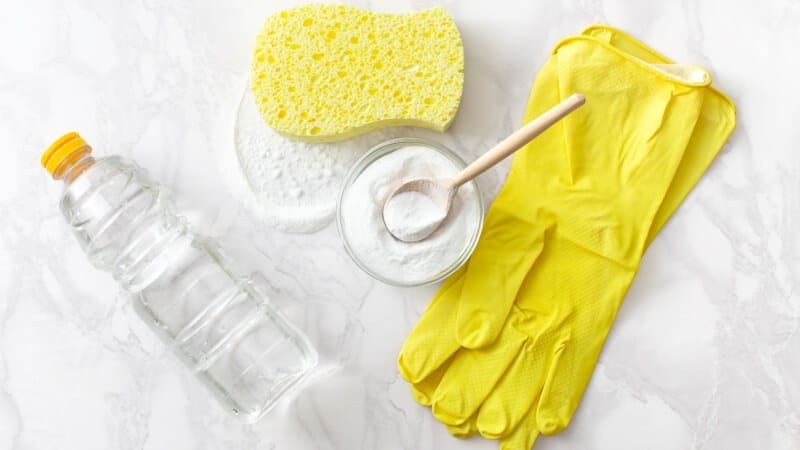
441,192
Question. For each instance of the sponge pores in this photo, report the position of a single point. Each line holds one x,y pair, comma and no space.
329,72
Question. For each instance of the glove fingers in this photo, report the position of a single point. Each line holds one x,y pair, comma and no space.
569,372
433,339
515,394
587,298
424,390
423,393
524,436
507,250
471,377
464,430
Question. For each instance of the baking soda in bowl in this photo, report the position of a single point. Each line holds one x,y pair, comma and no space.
362,226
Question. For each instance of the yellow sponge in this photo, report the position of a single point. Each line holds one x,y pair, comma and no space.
329,72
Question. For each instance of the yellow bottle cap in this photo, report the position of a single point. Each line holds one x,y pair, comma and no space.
66,149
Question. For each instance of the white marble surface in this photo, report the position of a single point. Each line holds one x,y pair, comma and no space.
705,352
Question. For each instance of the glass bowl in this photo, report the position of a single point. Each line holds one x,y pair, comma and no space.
471,203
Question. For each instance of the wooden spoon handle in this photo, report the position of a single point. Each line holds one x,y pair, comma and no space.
518,139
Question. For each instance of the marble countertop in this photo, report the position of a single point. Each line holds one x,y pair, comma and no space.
705,352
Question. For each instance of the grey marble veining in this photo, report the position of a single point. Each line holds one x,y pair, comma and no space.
704,354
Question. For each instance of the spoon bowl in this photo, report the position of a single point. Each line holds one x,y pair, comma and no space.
431,198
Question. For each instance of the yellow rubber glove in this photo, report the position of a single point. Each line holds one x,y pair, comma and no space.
550,344
715,124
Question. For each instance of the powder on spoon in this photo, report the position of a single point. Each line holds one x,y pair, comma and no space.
412,215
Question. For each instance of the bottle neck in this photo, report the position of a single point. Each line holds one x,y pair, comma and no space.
72,167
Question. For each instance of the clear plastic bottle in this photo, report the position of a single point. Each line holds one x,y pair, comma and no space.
219,323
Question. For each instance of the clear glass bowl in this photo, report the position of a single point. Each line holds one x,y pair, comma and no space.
379,151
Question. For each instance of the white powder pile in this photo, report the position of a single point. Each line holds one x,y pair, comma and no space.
411,216
370,241
290,185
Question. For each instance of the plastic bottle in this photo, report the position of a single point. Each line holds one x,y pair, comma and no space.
181,284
